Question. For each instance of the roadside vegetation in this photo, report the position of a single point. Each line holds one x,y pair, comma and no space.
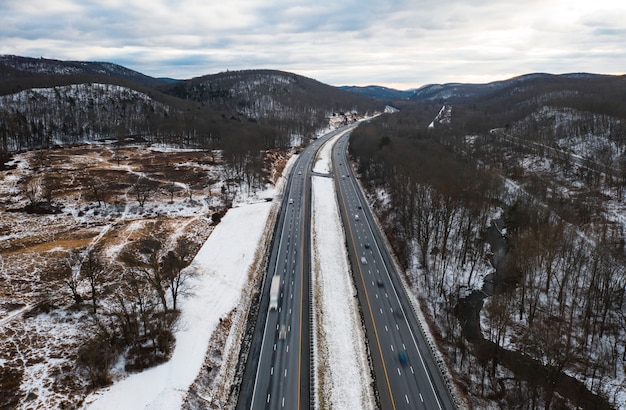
95,242
513,241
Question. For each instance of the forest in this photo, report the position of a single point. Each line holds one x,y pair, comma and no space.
512,239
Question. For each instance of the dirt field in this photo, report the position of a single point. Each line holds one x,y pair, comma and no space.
56,202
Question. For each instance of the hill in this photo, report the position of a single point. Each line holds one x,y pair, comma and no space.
379,93
272,96
47,102
37,72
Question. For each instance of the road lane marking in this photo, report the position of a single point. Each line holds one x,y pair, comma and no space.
393,404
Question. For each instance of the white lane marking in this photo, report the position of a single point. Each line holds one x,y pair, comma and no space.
392,348
272,371
421,398
407,399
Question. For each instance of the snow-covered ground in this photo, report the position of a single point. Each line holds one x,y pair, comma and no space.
220,272
343,379
323,160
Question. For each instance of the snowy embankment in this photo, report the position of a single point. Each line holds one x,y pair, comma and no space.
220,272
342,379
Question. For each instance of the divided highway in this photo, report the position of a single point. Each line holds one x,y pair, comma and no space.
277,374
407,376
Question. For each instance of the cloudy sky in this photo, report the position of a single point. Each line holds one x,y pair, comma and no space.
396,43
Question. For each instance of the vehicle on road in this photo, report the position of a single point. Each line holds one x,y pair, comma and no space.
403,358
274,292
356,217
363,260
290,200
380,283
282,333
367,246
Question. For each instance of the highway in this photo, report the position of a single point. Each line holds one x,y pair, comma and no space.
277,374
407,376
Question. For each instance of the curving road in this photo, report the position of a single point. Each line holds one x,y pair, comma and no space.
407,376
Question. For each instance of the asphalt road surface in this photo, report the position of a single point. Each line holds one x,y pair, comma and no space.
407,376
277,374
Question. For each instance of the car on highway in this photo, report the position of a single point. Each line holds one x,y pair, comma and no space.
403,358
363,260
282,333
380,283
367,246
290,200
356,217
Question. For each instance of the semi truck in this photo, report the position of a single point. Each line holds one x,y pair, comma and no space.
274,292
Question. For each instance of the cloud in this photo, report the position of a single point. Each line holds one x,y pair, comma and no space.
405,43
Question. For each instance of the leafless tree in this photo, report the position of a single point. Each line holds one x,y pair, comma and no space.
144,188
92,270
72,275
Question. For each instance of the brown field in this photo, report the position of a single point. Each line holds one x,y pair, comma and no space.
91,191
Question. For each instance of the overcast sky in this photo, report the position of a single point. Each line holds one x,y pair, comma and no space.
396,43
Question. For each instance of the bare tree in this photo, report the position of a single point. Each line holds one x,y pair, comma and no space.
72,275
144,188
92,269
98,190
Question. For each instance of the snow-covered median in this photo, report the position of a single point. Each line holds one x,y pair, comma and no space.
220,273
343,379
323,160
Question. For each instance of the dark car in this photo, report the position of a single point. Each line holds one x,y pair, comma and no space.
402,357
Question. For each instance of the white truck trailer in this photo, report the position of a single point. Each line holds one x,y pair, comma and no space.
274,292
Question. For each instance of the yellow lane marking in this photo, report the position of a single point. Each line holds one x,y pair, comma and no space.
393,404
